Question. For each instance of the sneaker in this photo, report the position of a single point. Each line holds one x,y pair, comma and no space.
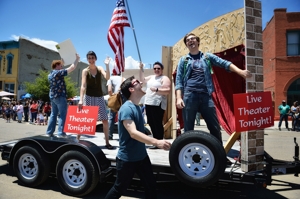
279,128
228,162
109,147
49,135
62,136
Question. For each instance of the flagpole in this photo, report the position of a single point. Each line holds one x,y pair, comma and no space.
133,31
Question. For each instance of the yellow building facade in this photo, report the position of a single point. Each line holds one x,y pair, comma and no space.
9,57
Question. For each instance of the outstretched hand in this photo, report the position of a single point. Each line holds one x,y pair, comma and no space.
141,65
246,74
163,144
107,60
77,57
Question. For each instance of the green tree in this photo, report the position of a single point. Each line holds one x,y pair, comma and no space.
39,89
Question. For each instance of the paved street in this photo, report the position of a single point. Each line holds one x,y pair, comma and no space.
278,144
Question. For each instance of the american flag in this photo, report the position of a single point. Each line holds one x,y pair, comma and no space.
115,35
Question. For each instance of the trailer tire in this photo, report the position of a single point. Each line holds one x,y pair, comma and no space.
31,166
197,158
77,175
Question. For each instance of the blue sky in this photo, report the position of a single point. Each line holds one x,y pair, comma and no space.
157,23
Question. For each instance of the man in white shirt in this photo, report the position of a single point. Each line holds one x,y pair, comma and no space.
113,85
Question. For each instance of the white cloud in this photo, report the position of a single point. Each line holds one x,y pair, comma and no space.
45,43
130,63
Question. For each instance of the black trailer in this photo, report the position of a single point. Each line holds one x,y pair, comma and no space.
195,158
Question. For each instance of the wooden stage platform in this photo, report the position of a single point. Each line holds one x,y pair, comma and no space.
158,157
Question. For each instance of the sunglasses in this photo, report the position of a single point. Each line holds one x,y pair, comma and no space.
136,81
156,68
190,39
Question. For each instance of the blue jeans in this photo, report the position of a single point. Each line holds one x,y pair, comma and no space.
125,172
111,123
285,117
198,115
59,105
20,115
296,124
33,116
203,103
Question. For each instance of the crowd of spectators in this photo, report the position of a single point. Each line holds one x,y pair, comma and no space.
27,110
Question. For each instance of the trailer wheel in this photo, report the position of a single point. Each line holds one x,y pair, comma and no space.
31,166
76,173
197,158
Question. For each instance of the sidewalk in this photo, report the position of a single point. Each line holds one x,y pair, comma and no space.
14,130
275,127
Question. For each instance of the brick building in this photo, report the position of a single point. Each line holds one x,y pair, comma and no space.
281,57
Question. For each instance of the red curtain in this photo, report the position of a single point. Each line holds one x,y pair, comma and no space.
226,84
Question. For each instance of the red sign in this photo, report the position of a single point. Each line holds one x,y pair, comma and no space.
81,122
253,111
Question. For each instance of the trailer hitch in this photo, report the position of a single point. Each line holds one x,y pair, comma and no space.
296,158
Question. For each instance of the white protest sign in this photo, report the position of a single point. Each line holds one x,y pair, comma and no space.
67,51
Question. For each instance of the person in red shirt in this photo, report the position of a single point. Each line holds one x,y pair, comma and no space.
33,111
47,110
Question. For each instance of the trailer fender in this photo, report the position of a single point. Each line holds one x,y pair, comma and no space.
55,147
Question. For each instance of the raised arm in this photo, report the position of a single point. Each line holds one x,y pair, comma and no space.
109,88
142,76
74,65
106,73
82,88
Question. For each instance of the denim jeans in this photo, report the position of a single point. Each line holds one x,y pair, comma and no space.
26,116
296,124
33,116
285,117
59,105
203,103
125,172
198,115
20,115
111,122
